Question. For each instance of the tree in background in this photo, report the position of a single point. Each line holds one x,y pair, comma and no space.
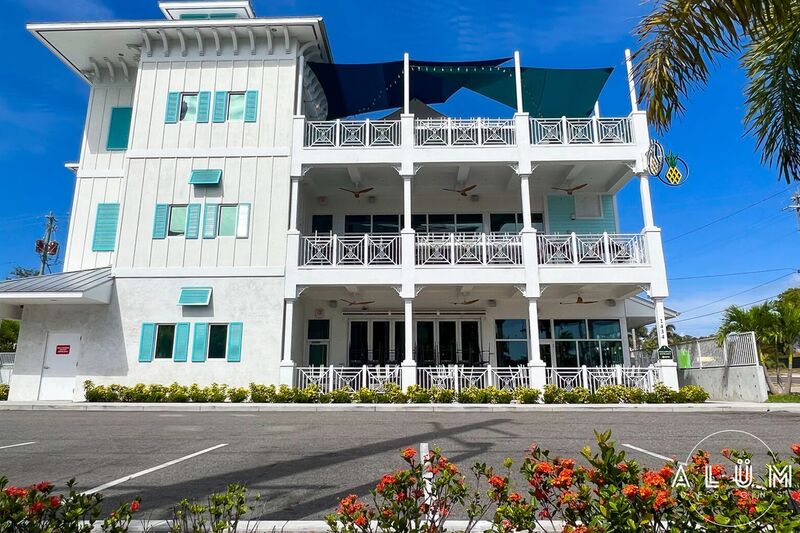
9,332
682,39
19,272
648,338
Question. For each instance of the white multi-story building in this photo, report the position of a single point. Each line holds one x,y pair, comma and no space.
225,229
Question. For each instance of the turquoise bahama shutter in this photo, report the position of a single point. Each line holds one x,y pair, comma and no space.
119,128
199,342
234,342
181,349
146,342
105,228
220,106
160,221
203,106
206,176
173,108
250,106
210,221
193,221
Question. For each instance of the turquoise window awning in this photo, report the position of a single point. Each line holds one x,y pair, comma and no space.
195,296
205,177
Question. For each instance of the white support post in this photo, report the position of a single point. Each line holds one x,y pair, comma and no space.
584,377
631,82
669,368
536,367
294,208
518,79
407,203
409,366
525,194
301,64
661,322
287,365
406,84
647,205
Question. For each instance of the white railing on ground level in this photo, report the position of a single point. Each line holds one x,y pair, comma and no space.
459,377
738,349
330,378
335,250
352,133
464,132
593,378
549,131
600,248
468,249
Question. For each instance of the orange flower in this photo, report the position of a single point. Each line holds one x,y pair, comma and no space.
514,497
566,463
796,449
563,479
36,508
409,453
55,501
387,513
134,506
745,501
622,467
16,492
630,490
646,492
662,500
700,459
717,471
387,479
726,452
43,486
653,479
795,494
498,482
544,514
665,472
361,521
543,467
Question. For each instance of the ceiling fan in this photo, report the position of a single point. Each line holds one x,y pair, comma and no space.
357,194
467,302
579,301
462,192
571,190
351,303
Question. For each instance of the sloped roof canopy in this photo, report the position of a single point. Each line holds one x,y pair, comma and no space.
78,287
362,88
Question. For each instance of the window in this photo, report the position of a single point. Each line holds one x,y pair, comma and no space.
386,224
448,223
588,206
587,342
189,107
217,341
360,224
227,220
512,222
570,329
236,106
177,220
544,330
321,224
357,224
512,342
469,223
318,336
165,340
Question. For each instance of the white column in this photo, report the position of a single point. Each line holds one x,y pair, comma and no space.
287,365
661,322
406,203
525,193
647,205
409,366
518,78
669,368
295,199
301,64
406,84
631,82
536,367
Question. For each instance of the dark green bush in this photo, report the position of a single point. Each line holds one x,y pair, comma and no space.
692,394
3,392
262,393
527,395
553,394
238,394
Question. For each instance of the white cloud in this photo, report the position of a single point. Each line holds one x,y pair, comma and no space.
68,9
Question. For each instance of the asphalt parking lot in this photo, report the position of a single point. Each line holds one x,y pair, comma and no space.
302,462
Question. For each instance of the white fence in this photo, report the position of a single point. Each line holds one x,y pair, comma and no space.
738,349
468,249
334,250
593,378
6,366
352,133
459,377
581,131
464,132
607,248
330,378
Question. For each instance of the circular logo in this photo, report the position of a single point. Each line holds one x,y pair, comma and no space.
745,469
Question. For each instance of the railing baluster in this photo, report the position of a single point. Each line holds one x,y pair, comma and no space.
574,240
606,249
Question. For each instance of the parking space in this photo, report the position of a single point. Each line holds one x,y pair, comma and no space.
301,462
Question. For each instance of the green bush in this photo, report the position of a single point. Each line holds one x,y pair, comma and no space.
499,396
392,393
473,395
527,395
610,394
553,394
238,394
262,393
310,394
3,392
342,396
662,394
692,394
417,394
578,395
284,394
177,393
635,395
443,395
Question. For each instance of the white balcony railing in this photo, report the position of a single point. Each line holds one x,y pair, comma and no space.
355,250
581,130
352,133
500,249
464,132
605,248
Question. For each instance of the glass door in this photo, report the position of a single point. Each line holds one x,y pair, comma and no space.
426,353
470,343
447,342
399,353
380,342
546,352
359,342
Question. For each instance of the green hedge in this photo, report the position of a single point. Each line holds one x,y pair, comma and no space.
256,393
3,392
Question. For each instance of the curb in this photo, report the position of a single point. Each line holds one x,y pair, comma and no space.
708,407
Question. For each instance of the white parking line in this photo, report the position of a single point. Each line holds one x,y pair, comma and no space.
153,469
648,452
15,445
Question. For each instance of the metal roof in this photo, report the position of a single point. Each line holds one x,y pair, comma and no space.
77,281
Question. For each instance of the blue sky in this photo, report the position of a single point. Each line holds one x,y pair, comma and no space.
43,104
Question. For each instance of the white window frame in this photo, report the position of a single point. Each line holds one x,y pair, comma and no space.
227,341
241,224
228,108
155,342
169,220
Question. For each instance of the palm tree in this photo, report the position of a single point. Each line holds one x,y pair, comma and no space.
786,332
682,39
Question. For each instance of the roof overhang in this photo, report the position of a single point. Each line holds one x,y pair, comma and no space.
641,312
91,47
79,287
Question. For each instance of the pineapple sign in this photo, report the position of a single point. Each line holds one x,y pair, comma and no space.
677,171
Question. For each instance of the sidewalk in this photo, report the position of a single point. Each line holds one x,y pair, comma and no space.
708,407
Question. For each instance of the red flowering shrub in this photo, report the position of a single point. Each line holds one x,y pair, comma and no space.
36,509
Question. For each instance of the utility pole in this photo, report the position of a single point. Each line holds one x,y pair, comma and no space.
796,206
45,248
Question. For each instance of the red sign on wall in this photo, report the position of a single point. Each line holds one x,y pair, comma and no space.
63,349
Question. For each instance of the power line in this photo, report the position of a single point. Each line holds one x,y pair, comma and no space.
742,292
733,274
672,321
729,215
